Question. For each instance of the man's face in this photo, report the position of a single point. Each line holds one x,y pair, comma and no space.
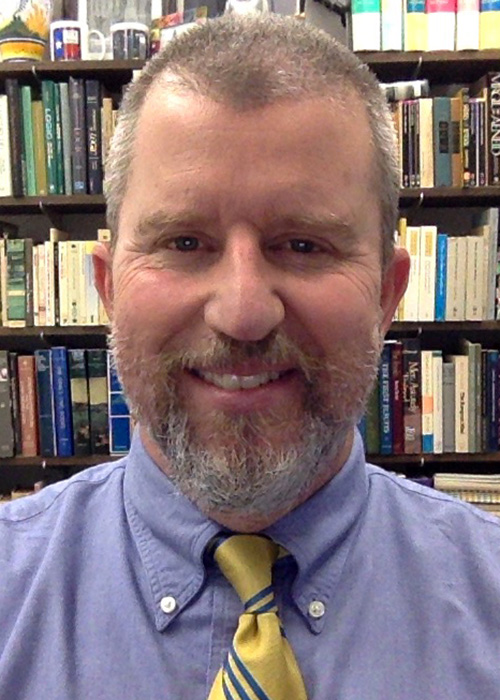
246,294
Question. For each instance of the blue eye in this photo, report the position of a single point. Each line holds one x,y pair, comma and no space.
299,245
186,243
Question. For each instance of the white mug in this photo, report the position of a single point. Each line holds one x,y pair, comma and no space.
70,41
130,40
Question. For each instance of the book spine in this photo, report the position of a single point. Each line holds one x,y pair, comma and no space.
6,427
441,25
79,149
392,25
437,400
39,136
119,417
426,150
406,143
415,34
489,24
467,37
50,135
58,139
427,273
62,402
366,29
94,141
482,155
442,145
28,405
412,410
15,402
441,276
13,93
397,398
66,136
472,142
5,157
448,407
98,401
29,145
28,271
456,142
427,402
79,401
492,364
16,283
46,422
494,129
461,403
386,438
464,96
373,420
474,278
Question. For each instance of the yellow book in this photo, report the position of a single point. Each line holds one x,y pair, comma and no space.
489,27
415,26
62,251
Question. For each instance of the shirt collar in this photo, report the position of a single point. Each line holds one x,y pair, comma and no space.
171,534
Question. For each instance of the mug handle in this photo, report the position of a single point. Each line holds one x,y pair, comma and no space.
102,40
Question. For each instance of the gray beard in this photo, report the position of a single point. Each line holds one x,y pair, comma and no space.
246,474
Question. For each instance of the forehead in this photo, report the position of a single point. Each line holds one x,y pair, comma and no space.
304,153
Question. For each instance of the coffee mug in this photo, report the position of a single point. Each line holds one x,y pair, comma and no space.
71,40
130,40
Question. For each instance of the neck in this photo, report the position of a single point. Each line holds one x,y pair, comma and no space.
247,522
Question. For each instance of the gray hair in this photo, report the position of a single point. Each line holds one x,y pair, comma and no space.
248,62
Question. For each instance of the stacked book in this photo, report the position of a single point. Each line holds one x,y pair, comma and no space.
447,140
61,402
452,278
427,403
425,25
483,490
49,283
54,139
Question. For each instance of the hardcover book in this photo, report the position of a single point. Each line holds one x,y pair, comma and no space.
98,397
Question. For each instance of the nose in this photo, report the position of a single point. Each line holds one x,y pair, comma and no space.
244,302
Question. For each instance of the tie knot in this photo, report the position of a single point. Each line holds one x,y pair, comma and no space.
247,561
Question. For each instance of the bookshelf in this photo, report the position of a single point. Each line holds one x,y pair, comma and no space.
77,211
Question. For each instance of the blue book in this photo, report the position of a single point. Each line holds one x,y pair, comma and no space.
492,400
118,411
385,399
441,119
62,402
46,419
441,276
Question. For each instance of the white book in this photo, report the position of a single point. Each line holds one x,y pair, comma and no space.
62,252
461,276
427,396
467,34
73,283
440,25
5,163
91,290
461,363
49,284
411,311
366,25
427,273
437,403
474,284
392,25
42,286
36,321
426,142
82,285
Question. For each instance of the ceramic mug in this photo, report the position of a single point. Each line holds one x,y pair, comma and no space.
24,29
130,40
71,40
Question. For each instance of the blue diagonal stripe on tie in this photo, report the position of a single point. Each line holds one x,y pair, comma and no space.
258,596
248,676
227,693
266,607
242,693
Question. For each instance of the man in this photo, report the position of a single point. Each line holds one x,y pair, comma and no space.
252,194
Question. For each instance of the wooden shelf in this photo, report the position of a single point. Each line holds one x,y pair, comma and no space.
55,462
450,196
50,331
33,71
401,327
438,66
428,465
60,203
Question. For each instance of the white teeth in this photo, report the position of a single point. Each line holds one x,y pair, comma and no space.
235,382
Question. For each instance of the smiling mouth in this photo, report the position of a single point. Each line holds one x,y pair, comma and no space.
238,382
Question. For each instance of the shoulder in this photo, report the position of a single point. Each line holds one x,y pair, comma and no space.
427,513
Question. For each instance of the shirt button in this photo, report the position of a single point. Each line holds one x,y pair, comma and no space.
316,608
168,604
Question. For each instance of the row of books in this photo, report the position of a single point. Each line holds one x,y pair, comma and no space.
452,278
54,140
61,402
450,141
425,25
49,283
482,490
424,403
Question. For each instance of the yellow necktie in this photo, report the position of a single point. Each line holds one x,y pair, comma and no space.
260,664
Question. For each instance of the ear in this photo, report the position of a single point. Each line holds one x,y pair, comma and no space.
103,275
394,285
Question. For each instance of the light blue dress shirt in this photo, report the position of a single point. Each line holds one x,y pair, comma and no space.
104,595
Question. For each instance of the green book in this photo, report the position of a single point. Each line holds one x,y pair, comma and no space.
28,140
16,282
58,143
79,401
50,134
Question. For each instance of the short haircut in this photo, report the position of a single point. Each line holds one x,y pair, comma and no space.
251,61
